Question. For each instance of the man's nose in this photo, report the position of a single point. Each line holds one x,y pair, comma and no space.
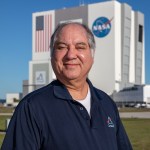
71,53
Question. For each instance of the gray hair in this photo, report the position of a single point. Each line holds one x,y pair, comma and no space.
54,37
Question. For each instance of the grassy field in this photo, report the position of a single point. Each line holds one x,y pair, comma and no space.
3,127
1,139
138,131
3,122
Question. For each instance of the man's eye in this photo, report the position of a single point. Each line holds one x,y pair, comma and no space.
81,47
61,47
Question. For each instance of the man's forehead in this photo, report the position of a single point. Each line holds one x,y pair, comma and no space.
72,27
65,43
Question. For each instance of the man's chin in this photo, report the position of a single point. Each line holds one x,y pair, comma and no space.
70,78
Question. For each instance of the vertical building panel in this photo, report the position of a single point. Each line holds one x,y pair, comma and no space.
139,48
126,39
132,51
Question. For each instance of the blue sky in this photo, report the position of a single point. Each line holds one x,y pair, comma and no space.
16,37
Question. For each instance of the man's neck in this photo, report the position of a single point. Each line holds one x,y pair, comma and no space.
77,89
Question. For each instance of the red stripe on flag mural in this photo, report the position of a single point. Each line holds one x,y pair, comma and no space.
50,32
43,40
46,32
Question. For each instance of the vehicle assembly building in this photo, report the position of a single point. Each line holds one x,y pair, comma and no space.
119,34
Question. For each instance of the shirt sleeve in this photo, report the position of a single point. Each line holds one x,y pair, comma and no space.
122,138
23,132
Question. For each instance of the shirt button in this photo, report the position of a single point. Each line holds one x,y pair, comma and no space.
81,108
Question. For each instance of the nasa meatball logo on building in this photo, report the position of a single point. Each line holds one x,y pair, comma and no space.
101,27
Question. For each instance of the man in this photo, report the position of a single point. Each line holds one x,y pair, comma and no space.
69,113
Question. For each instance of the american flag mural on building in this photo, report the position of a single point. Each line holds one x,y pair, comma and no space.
43,33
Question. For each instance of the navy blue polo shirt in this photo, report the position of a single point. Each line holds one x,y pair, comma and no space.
49,119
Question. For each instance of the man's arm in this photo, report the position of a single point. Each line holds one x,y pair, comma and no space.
122,138
23,132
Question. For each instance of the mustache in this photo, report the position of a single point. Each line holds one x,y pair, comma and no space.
71,62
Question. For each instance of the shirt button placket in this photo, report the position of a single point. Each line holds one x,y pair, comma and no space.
84,113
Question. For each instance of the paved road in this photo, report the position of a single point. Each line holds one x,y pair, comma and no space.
2,132
6,114
135,115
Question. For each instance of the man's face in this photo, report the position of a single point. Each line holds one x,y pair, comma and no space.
72,57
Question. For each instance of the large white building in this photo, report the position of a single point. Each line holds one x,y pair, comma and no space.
133,96
119,34
12,99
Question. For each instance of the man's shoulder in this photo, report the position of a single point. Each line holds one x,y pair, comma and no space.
105,99
107,104
102,94
43,91
40,94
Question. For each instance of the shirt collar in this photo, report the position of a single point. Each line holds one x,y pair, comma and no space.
61,92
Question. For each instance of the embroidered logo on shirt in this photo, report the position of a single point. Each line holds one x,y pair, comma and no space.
110,123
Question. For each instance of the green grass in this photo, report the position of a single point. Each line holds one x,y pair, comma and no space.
3,122
3,127
1,138
138,131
